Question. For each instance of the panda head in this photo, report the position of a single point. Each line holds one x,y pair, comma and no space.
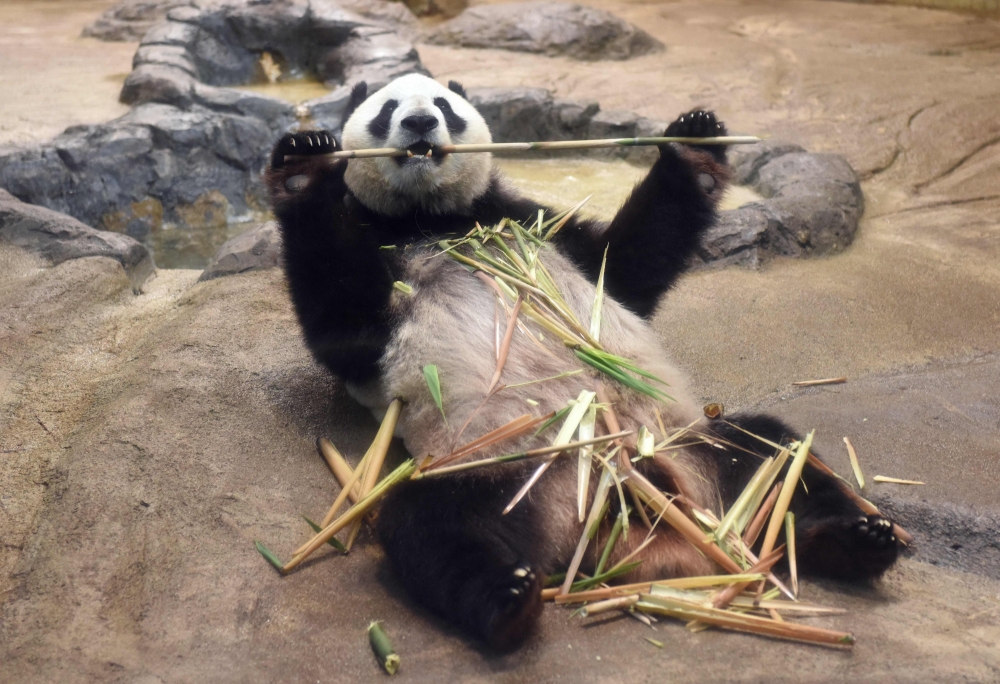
417,114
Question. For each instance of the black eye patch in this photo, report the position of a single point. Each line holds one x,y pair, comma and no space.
455,123
379,126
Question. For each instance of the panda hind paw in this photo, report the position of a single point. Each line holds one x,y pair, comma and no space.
514,604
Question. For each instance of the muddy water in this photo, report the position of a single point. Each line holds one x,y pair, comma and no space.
561,183
294,90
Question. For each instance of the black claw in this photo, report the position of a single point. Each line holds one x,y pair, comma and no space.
700,124
303,144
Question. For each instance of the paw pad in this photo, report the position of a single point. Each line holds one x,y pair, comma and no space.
874,531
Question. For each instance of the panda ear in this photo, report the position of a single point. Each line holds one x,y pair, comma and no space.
456,87
359,93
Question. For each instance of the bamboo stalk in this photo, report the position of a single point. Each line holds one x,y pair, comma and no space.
793,567
610,604
516,427
743,622
896,480
339,466
785,497
824,381
378,449
540,146
646,587
750,537
520,456
855,465
356,512
761,567
505,345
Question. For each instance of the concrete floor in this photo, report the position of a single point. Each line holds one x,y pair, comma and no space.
147,440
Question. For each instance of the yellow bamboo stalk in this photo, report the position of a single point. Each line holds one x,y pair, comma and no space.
339,466
378,449
785,497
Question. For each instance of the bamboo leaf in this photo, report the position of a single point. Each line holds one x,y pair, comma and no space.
269,556
434,385
595,315
333,540
853,455
584,462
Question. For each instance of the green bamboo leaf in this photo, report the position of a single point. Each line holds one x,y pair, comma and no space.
333,541
269,556
584,585
595,315
434,385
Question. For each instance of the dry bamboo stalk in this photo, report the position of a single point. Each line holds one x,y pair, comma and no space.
793,567
750,536
550,593
761,567
896,480
866,506
595,510
514,428
682,523
355,512
785,497
339,466
855,465
824,381
743,622
379,448
539,146
646,587
505,345
339,501
610,604
509,458
624,464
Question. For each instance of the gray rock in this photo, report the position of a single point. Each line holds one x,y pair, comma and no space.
375,55
130,19
530,114
550,28
737,238
252,250
746,160
57,238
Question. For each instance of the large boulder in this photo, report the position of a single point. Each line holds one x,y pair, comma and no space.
548,28
57,238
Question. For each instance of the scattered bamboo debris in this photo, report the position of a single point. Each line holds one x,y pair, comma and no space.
382,648
896,480
540,146
824,381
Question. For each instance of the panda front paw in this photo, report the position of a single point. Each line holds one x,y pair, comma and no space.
700,124
302,144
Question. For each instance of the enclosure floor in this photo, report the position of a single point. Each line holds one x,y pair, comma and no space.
149,439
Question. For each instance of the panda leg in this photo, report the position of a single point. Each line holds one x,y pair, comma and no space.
834,538
458,556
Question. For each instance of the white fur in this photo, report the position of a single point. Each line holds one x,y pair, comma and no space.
388,188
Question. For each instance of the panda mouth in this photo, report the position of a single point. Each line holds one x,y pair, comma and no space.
420,152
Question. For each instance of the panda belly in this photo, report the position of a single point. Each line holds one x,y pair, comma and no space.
450,321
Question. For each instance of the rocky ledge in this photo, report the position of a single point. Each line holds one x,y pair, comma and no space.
548,28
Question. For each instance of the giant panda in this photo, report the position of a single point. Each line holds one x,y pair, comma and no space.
350,229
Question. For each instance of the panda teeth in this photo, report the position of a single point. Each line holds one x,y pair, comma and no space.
409,153
429,153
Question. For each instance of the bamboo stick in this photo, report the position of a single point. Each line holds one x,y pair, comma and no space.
761,567
646,587
824,381
750,537
339,466
610,604
541,146
379,448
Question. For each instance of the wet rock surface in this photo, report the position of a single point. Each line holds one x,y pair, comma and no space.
57,238
256,249
129,20
549,28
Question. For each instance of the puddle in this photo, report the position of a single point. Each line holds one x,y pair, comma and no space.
182,247
296,90
561,183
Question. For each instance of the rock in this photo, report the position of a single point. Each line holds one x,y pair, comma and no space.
252,250
57,238
549,28
746,160
426,8
530,114
130,19
737,238
375,55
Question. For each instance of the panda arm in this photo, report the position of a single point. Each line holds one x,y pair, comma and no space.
339,281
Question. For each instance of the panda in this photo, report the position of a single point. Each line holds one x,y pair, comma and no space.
351,229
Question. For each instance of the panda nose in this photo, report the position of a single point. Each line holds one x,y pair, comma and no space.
419,123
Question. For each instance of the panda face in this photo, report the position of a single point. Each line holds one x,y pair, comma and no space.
418,114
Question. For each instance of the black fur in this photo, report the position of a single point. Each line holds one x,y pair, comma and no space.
379,126
359,93
446,538
455,123
457,88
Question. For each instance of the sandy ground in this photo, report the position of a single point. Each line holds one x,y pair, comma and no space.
148,439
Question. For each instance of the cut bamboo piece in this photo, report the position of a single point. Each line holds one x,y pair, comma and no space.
646,587
761,567
504,348
339,466
750,536
378,449
824,381
610,604
855,466
540,146
896,480
793,567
